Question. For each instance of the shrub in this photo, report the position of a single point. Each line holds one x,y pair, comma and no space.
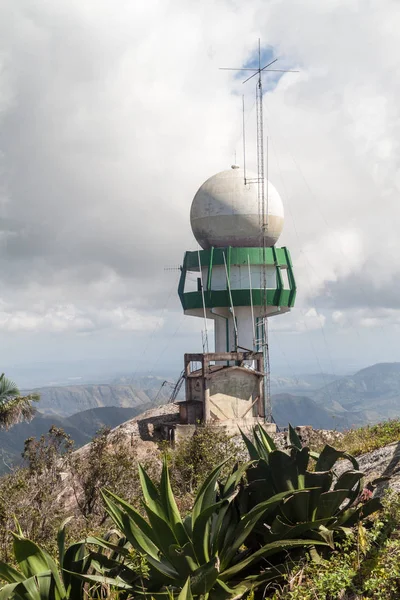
193,459
106,463
368,438
29,493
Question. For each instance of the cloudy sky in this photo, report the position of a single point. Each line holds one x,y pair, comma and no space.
112,114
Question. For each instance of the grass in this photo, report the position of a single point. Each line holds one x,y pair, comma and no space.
370,437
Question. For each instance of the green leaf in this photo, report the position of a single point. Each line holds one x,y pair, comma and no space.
186,594
329,503
46,585
201,531
31,559
204,577
263,449
318,483
164,568
131,523
207,492
267,550
352,515
76,559
293,439
170,507
183,559
253,452
61,539
301,460
10,574
222,592
297,508
266,439
114,581
28,590
150,493
162,531
319,479
246,526
6,592
234,479
282,530
348,479
284,471
327,458
327,536
330,455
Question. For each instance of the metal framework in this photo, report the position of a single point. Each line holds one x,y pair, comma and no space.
262,209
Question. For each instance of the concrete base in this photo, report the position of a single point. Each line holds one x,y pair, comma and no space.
184,432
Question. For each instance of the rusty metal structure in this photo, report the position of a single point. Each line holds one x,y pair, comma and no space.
221,387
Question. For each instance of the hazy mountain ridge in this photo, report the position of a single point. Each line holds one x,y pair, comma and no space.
301,384
302,410
373,392
81,427
370,395
68,400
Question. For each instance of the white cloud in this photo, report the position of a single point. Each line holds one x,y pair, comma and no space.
69,318
367,318
113,113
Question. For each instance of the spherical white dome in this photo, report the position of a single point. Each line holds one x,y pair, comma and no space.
225,212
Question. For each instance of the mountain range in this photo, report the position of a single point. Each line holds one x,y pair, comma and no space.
81,426
322,400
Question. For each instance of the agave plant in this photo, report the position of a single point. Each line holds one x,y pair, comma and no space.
39,577
324,503
202,556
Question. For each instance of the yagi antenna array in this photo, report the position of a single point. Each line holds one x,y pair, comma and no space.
259,96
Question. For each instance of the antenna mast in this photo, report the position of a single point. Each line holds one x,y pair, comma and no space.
263,220
262,211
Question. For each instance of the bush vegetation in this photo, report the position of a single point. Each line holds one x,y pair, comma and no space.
240,524
371,437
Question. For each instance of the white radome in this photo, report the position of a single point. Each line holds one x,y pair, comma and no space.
225,212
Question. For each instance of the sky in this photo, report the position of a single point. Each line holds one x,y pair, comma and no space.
113,113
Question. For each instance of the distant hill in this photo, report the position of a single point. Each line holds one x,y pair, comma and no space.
323,401
68,400
301,410
301,384
81,427
373,391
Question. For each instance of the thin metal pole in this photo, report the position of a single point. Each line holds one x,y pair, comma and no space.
267,198
204,303
244,143
251,304
231,301
266,368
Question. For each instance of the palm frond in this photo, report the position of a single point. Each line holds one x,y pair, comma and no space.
14,408
8,388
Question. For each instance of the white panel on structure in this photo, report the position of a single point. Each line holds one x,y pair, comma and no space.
285,279
218,278
244,323
240,279
191,282
220,334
